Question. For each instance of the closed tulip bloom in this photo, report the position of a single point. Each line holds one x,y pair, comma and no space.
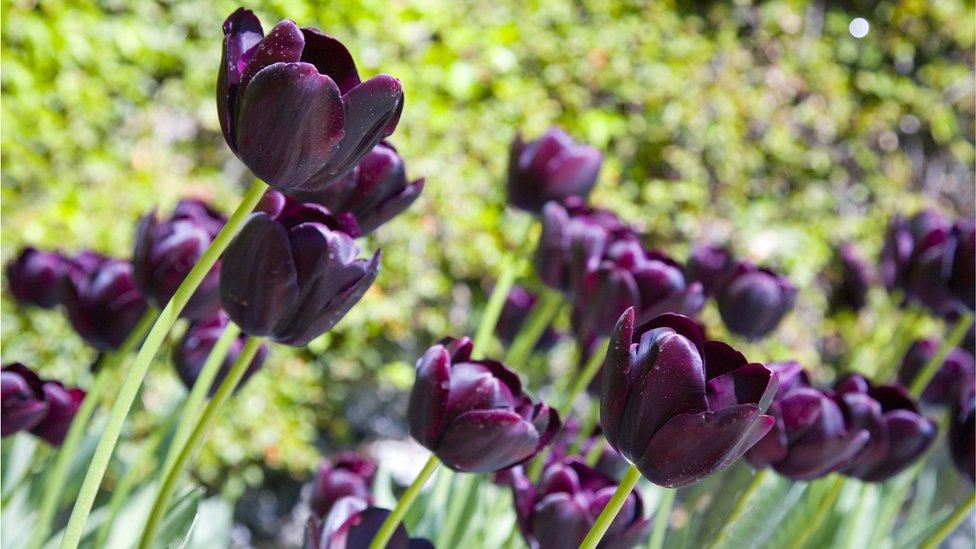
518,306
34,277
292,272
350,474
711,266
962,434
292,107
195,346
552,167
472,414
352,524
962,275
21,398
678,407
103,302
754,301
902,238
559,511
899,434
958,371
852,281
374,192
167,249
941,273
63,404
811,437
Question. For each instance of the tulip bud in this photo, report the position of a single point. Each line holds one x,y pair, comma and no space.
197,343
374,192
711,266
102,301
352,524
473,414
958,371
35,278
854,279
811,437
62,406
940,270
678,407
22,399
561,509
292,107
166,250
754,301
292,272
962,434
349,475
552,167
518,306
899,434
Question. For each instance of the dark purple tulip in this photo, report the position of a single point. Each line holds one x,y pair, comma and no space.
854,279
35,277
192,352
518,306
374,192
350,474
102,301
902,237
292,107
559,511
292,272
711,266
352,524
962,434
166,249
935,277
810,438
755,300
678,407
472,413
962,277
899,434
62,406
958,371
553,167
22,399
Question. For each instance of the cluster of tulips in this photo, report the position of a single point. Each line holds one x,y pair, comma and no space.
674,406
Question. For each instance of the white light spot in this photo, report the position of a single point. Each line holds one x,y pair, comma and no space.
859,27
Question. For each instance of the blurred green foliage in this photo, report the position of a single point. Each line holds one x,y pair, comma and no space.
763,124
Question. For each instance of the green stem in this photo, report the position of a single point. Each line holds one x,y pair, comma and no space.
950,524
613,507
137,372
934,364
826,504
196,438
58,475
532,329
389,525
661,516
740,507
198,394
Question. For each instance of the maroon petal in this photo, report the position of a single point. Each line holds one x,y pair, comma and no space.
679,323
721,358
559,521
331,58
616,378
910,435
485,441
750,384
428,398
242,31
283,44
816,456
63,404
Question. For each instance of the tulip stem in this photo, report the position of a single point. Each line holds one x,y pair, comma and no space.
740,507
950,524
535,325
661,516
613,507
54,487
137,372
934,364
389,525
826,504
172,475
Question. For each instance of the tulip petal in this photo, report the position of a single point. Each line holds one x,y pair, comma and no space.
484,441
428,398
910,435
816,456
681,324
367,524
616,378
242,31
721,358
331,58
283,44
559,521
750,384
391,208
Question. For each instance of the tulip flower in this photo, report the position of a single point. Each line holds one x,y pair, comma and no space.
472,414
518,305
552,167
63,404
962,434
165,251
711,266
678,407
102,301
374,192
22,399
958,371
292,272
352,524
941,274
755,300
561,509
350,474
35,277
811,436
195,346
899,434
292,107
854,279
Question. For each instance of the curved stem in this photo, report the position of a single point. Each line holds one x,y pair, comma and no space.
739,508
661,516
950,524
613,507
137,372
193,442
934,364
389,525
58,475
822,511
534,326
